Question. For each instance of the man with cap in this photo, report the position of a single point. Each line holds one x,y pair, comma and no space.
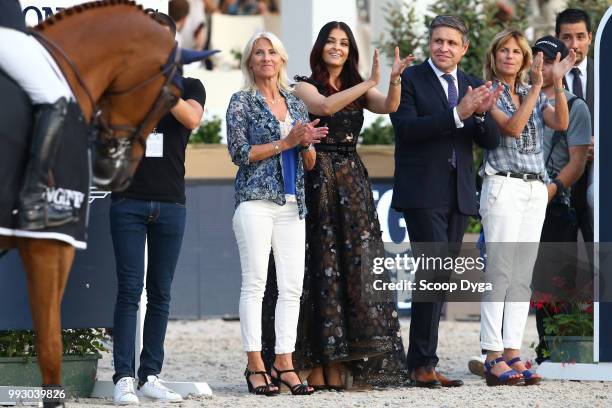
565,155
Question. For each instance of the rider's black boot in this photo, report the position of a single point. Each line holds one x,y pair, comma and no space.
34,210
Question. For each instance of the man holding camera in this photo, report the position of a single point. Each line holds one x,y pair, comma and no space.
565,155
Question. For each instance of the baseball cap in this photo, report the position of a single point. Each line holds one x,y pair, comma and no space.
550,46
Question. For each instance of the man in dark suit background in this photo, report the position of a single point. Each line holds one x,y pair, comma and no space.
573,27
442,112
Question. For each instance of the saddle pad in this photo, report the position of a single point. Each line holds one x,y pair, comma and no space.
71,173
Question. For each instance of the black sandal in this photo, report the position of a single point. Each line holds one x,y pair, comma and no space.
325,386
296,389
336,388
262,389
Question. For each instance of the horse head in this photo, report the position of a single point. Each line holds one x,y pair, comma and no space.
124,69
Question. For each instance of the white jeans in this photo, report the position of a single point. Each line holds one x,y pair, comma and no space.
259,225
29,64
512,213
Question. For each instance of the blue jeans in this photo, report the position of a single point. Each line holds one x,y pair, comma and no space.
162,224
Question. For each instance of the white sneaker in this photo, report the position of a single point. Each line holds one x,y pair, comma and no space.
154,388
124,393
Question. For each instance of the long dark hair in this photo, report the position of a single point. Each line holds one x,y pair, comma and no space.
350,73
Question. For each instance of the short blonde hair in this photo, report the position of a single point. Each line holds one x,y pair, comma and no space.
490,69
249,80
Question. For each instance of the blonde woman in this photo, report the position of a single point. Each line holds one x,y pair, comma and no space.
514,197
270,138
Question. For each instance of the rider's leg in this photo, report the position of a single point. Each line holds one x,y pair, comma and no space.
26,61
34,210
47,264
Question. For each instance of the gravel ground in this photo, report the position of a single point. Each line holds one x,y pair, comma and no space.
210,350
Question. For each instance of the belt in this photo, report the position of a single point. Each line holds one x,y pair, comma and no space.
524,176
338,148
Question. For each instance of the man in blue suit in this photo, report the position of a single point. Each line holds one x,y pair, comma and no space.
442,112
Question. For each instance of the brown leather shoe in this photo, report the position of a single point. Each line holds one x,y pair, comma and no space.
447,382
425,377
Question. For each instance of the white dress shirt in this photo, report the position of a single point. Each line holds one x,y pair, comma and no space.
569,77
444,83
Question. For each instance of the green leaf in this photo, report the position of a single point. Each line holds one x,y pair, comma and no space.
378,133
208,132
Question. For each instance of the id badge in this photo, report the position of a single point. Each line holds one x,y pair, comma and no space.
155,145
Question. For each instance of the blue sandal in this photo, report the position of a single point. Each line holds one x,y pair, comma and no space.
530,378
505,378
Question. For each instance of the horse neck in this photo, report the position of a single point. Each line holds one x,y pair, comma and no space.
104,44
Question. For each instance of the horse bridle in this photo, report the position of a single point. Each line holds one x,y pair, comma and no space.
104,131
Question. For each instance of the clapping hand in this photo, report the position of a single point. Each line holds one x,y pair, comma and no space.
306,133
400,64
375,74
536,70
562,67
490,99
472,101
314,134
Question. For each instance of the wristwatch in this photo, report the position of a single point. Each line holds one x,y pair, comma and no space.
560,186
480,117
304,148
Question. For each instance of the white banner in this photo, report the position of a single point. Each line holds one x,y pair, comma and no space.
37,10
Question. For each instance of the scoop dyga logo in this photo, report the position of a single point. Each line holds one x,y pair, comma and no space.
94,193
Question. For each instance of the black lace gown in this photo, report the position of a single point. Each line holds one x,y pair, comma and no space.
341,319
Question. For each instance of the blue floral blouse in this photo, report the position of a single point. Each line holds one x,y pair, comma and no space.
251,122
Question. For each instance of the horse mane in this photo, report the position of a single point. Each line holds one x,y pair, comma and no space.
80,8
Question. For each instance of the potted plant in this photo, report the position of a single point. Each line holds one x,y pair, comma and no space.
378,133
209,132
82,347
568,326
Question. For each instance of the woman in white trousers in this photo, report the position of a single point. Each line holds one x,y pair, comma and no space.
514,198
270,139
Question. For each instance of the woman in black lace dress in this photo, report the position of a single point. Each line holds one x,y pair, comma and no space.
342,322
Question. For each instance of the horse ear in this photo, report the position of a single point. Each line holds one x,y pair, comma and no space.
188,56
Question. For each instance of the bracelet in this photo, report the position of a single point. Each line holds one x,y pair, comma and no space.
559,90
276,148
397,82
304,148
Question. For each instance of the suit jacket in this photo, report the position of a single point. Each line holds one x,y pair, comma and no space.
425,134
590,96
590,93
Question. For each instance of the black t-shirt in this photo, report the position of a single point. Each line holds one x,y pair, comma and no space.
163,178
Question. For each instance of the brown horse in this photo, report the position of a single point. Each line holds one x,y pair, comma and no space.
112,54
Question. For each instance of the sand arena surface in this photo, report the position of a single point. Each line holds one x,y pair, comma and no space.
210,350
